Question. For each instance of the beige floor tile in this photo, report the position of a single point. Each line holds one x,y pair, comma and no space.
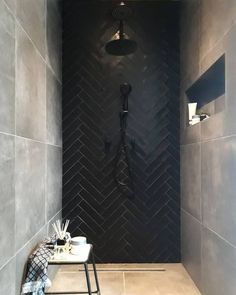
70,268
111,283
176,280
140,283
68,281
129,279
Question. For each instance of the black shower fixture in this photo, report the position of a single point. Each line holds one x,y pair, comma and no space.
120,44
122,155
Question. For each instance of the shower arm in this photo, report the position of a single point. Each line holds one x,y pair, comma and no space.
121,30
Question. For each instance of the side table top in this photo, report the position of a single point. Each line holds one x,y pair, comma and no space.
68,258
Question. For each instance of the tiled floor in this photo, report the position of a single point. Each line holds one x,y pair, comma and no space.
130,279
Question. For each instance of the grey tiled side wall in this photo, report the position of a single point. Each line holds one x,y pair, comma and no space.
30,131
208,151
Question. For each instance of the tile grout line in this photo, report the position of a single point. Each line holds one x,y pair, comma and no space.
208,140
46,189
11,12
30,139
221,39
201,217
15,199
37,50
46,118
188,213
209,229
21,248
44,59
124,283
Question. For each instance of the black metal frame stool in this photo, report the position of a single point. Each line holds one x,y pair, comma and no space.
84,256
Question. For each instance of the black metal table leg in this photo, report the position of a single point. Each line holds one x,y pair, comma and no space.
87,278
95,274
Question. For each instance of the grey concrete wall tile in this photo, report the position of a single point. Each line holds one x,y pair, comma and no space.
7,198
191,179
11,5
191,246
7,158
54,180
191,134
54,110
7,21
220,104
7,278
29,189
214,127
7,42
230,59
7,102
54,37
217,36
222,124
212,56
22,257
183,108
30,90
50,230
189,62
218,265
32,16
219,186
230,122
216,20
209,108
7,232
23,178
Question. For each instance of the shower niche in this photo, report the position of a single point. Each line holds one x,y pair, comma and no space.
209,90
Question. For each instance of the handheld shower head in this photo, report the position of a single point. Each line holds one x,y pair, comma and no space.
125,89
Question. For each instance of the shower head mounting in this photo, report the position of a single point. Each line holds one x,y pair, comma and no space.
121,12
120,44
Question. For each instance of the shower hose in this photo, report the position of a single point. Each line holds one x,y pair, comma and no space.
124,180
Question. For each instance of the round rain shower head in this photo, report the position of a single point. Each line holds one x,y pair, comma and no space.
121,47
121,12
120,44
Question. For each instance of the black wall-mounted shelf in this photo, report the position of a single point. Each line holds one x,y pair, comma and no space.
210,85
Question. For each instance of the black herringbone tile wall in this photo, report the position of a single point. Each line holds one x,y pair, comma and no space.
147,228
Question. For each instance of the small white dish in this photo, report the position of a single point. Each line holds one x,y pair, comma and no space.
76,250
76,241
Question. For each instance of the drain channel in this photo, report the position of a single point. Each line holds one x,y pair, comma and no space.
127,269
